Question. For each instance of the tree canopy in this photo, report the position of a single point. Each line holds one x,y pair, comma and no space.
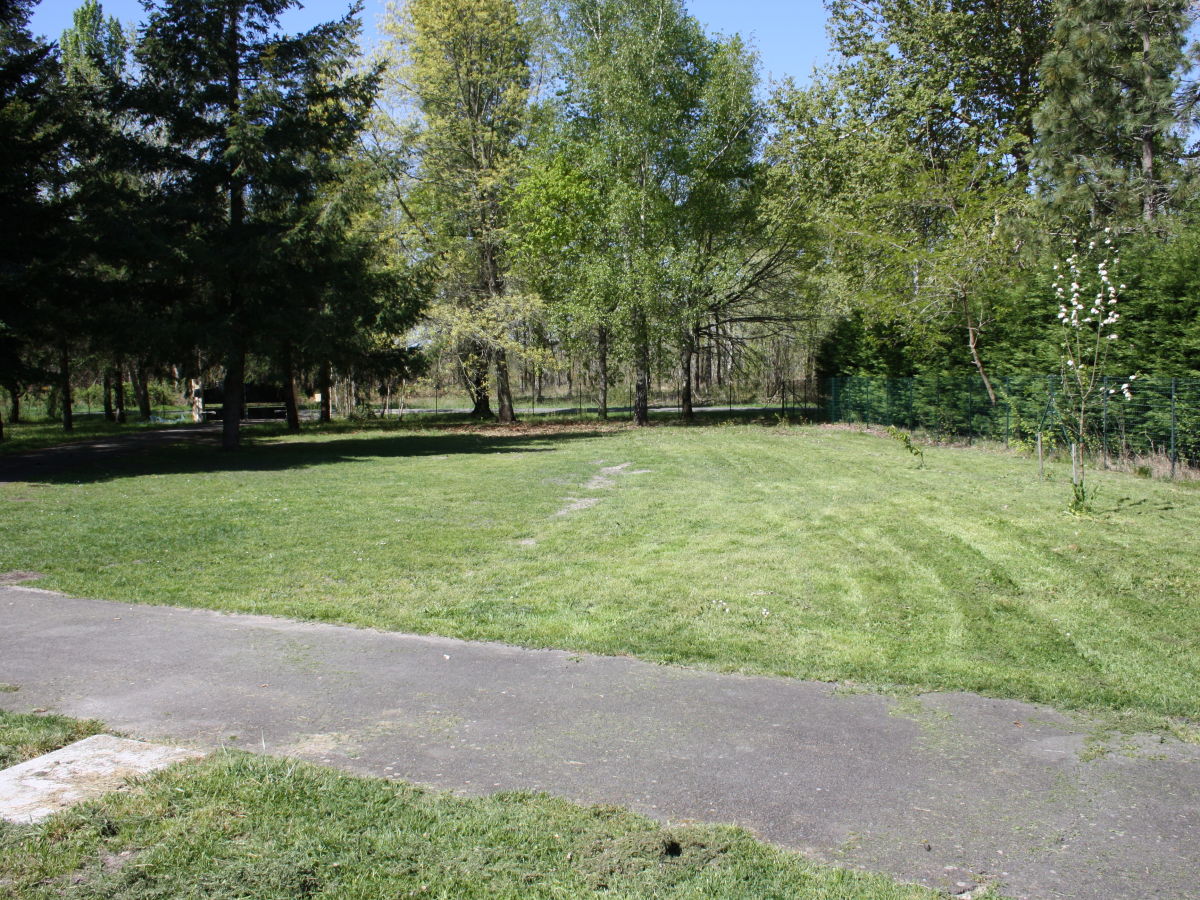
598,190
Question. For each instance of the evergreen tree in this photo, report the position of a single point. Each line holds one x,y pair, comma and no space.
34,122
253,122
106,201
1108,130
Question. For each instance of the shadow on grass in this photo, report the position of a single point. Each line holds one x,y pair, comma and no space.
258,455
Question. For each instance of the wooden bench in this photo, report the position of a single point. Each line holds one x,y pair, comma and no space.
253,412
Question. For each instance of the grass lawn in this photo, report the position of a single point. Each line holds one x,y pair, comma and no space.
239,826
799,551
24,735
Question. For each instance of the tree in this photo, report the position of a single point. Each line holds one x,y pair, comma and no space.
952,76
913,155
662,232
34,122
252,124
105,194
1108,131
1087,312
465,73
94,48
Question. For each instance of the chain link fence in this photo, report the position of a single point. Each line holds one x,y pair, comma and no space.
1161,420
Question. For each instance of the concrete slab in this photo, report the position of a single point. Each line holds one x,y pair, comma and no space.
941,789
85,770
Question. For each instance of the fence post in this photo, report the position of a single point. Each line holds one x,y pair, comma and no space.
1174,427
937,403
970,410
1104,422
1007,409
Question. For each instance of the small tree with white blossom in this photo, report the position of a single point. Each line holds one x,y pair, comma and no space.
1087,311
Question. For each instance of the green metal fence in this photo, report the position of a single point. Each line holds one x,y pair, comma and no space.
1162,418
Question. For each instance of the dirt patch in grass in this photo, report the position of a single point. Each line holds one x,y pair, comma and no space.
574,504
616,859
17,576
605,477
537,429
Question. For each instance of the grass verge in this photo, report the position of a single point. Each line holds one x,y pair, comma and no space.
237,826
797,551
25,735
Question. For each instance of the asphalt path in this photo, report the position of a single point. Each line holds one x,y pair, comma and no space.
946,789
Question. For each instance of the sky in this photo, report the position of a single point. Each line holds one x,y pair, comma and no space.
788,34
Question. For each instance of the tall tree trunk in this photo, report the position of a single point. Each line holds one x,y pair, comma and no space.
289,390
475,376
602,365
64,368
109,415
14,394
235,392
973,344
504,398
197,391
325,386
641,397
119,391
235,367
1,426
1148,198
685,361
143,391
133,384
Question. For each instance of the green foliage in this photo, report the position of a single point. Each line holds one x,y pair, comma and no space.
666,225
1161,303
254,126
462,68
1109,136
912,153
907,442
94,49
34,121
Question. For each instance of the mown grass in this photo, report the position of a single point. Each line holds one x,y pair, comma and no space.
798,551
238,826
26,735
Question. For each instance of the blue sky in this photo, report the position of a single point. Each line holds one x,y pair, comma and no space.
789,34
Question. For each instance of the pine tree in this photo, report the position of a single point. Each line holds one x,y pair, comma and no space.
1108,129
252,124
34,126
